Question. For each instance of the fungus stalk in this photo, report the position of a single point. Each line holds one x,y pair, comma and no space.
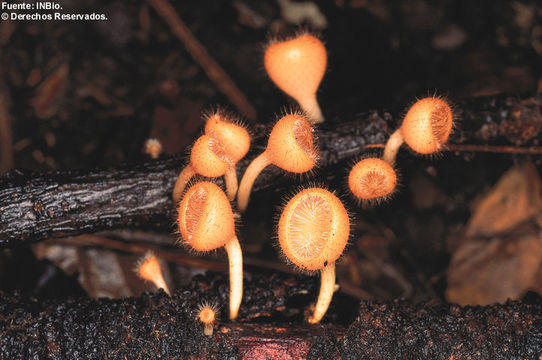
392,147
182,180
235,258
327,288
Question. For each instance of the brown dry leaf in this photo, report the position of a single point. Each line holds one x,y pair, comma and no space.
49,94
516,198
484,272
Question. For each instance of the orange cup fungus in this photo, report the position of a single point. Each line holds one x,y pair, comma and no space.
206,223
207,315
297,67
148,268
313,231
153,148
372,179
215,154
290,147
235,140
425,128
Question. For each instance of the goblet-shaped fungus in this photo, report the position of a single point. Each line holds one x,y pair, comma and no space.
206,223
425,128
148,268
207,158
290,147
372,180
313,230
207,315
235,141
297,67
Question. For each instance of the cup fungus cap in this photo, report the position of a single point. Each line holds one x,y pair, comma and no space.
291,144
205,217
209,158
207,314
148,267
427,125
297,66
372,179
234,138
313,229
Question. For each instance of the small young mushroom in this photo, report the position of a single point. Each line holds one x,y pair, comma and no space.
153,148
297,67
313,231
206,223
235,140
372,180
290,147
207,315
207,158
425,128
148,268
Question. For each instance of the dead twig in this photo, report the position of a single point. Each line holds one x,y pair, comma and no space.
176,256
213,70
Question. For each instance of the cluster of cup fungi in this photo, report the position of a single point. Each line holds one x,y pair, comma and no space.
314,226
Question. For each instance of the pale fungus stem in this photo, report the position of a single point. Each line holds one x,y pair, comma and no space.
230,179
183,179
312,109
251,173
392,147
327,288
235,258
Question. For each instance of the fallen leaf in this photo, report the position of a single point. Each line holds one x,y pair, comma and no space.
514,199
483,272
500,254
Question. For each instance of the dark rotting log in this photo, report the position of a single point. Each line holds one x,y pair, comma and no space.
37,206
155,326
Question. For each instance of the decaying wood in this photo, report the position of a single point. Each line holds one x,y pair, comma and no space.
36,206
156,326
